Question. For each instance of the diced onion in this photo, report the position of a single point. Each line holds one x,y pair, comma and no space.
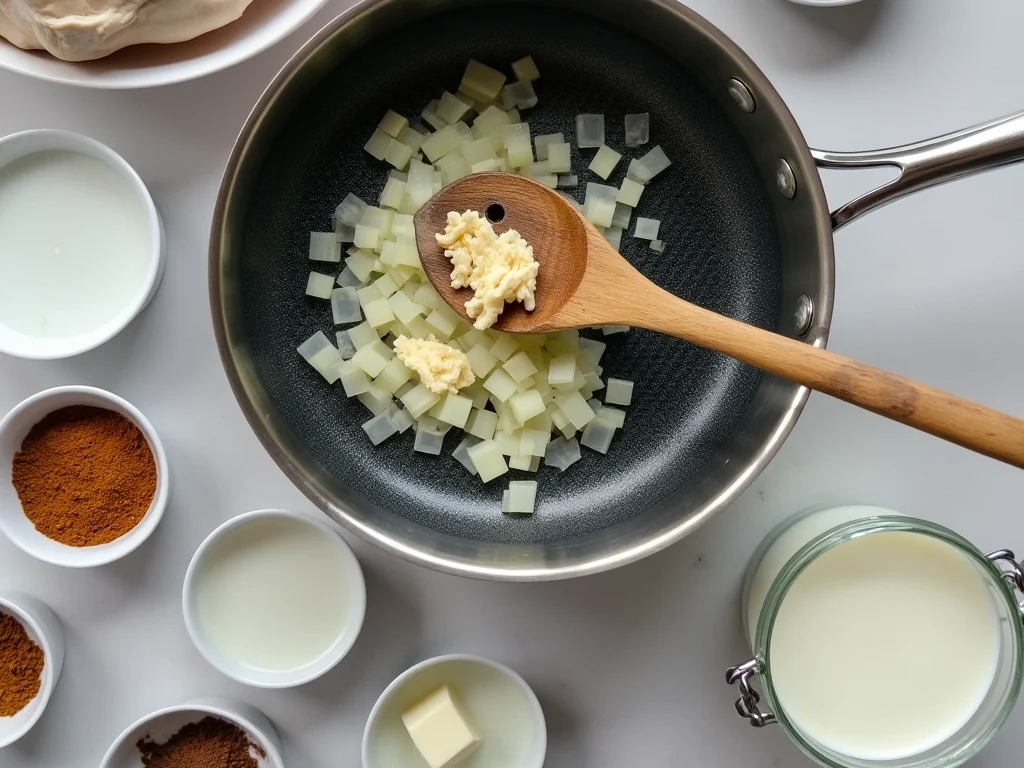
589,131
604,161
646,229
638,129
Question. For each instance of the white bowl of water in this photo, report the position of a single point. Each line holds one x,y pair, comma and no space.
81,244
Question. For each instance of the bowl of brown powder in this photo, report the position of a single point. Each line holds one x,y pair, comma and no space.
84,477
31,659
205,733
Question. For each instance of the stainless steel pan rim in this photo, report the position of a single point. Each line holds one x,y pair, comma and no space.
745,90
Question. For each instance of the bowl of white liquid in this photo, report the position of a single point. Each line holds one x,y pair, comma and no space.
880,639
81,244
274,598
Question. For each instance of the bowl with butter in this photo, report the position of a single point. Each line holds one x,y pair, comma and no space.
453,710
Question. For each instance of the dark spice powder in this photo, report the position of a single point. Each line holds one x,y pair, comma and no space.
84,475
210,743
21,667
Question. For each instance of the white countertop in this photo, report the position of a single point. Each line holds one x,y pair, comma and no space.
629,665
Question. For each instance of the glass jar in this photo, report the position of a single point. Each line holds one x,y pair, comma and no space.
791,548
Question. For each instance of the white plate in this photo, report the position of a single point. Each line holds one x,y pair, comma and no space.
500,702
263,24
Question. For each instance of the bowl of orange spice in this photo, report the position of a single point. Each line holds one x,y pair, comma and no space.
85,478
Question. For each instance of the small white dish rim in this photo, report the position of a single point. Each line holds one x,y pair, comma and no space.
25,143
53,656
244,673
539,722
19,529
237,713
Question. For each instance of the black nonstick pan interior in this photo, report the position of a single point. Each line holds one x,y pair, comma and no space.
722,253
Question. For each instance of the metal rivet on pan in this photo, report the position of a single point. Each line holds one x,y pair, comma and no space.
785,179
741,95
803,315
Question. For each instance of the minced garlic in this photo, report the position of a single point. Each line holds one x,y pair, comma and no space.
499,268
441,368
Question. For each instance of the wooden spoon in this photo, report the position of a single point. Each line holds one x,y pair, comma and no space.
583,282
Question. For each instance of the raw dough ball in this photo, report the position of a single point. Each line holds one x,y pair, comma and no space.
80,30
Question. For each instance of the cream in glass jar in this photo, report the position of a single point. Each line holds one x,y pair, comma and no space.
880,639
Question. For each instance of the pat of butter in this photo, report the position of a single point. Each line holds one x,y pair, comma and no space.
440,728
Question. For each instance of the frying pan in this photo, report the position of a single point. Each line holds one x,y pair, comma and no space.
743,212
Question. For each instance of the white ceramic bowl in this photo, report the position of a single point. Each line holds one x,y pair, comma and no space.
19,145
44,629
19,529
263,24
164,723
264,678
503,706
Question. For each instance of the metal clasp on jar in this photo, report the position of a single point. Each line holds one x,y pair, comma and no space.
1012,571
747,704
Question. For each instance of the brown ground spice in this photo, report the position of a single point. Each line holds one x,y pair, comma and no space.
84,475
21,667
210,743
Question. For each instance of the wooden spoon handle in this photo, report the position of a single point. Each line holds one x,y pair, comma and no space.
939,413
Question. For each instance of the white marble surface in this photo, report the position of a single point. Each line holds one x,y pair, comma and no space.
628,664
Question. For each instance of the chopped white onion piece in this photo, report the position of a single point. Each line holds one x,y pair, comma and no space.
613,416
638,129
324,247
559,158
392,123
488,460
350,211
400,418
451,108
629,192
575,408
636,172
500,384
520,366
599,204
378,144
353,379
419,400
345,306
526,405
370,360
525,69
411,138
562,453
608,330
619,392
520,151
345,346
446,140
657,246
319,286
398,154
343,233
522,497
589,131
519,461
543,142
362,335
420,186
568,181
482,424
430,116
614,237
455,410
623,213
598,435
461,453
481,82
504,346
393,194
654,162
521,94
646,229
379,428
428,441
604,161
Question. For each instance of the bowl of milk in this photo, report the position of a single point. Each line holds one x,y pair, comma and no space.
81,244
879,640
274,598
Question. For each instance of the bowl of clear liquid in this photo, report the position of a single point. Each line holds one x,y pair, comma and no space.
81,244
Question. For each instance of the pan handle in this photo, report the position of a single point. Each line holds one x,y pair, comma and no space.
928,163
